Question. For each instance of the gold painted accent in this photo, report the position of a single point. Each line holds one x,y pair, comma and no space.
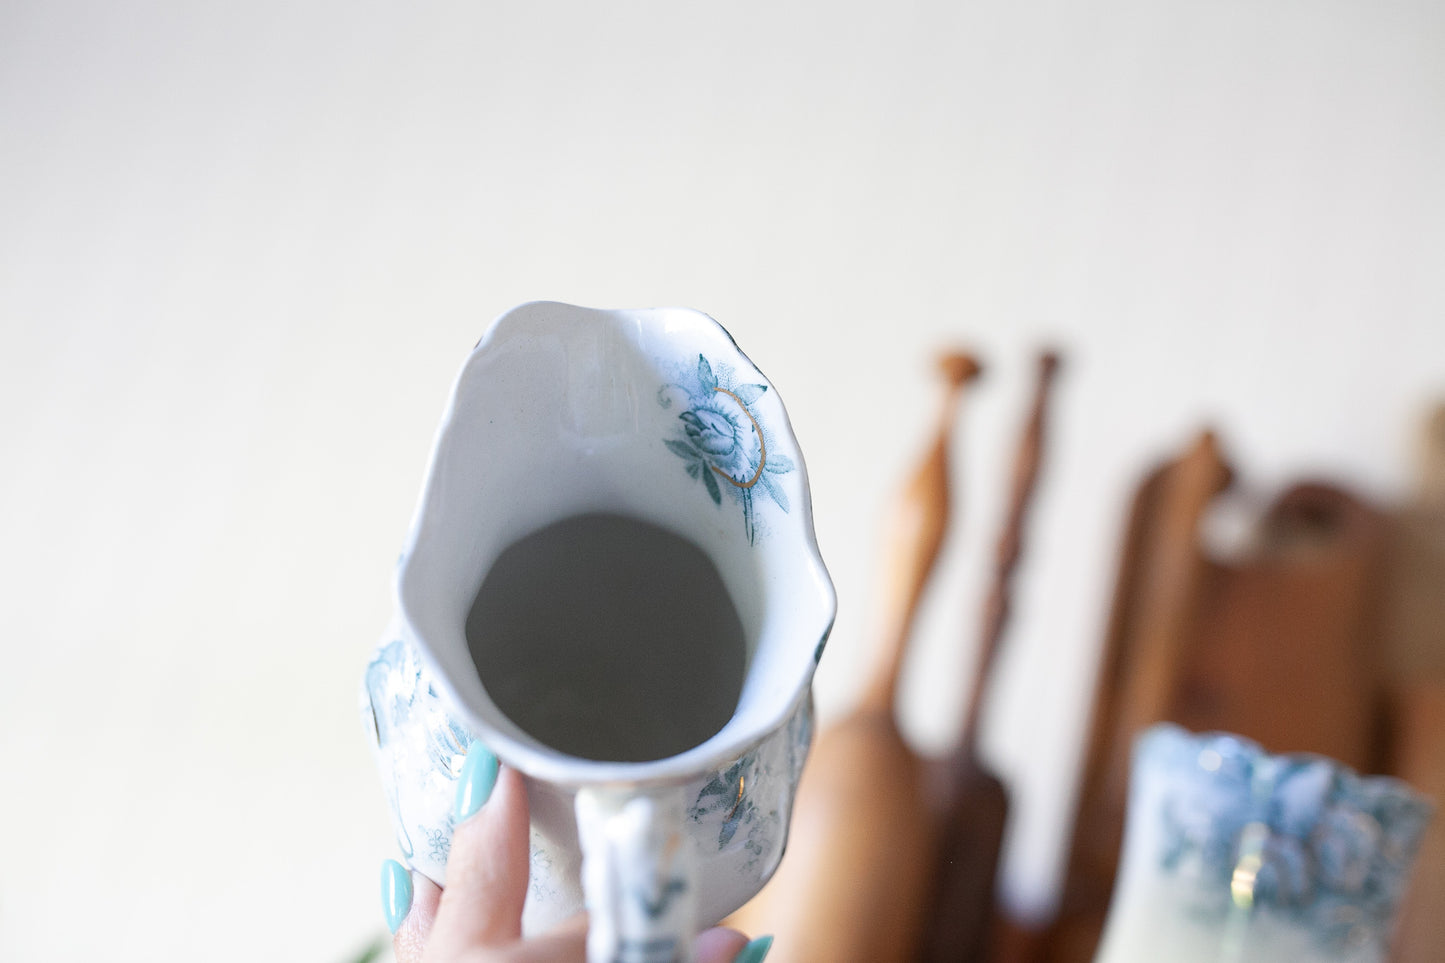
762,446
1251,860
742,781
1241,884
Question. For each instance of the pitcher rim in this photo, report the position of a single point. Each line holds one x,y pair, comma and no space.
529,755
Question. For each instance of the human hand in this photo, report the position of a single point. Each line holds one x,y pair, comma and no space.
478,917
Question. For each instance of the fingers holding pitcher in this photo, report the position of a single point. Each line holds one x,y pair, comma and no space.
488,867
478,915
485,888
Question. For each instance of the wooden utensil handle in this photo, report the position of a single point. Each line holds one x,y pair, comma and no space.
1010,545
913,537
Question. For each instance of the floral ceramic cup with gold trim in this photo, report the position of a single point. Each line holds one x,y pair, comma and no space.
1234,854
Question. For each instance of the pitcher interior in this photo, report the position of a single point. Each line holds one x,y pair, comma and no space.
650,416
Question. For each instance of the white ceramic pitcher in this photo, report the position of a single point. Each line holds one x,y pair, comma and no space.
654,415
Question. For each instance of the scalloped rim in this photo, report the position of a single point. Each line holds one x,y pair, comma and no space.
544,763
1175,739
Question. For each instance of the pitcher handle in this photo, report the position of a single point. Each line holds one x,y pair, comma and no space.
639,875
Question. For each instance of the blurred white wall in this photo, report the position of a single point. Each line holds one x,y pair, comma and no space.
244,248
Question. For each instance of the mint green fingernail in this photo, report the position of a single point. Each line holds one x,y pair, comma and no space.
479,775
395,893
755,951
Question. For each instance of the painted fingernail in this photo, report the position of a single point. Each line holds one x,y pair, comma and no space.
395,893
479,775
755,951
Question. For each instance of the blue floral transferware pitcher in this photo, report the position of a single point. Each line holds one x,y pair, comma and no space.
655,417
1233,855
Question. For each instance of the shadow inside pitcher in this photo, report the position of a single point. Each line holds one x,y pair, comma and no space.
609,638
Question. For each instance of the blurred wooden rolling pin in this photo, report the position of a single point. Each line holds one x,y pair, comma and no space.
853,886
972,801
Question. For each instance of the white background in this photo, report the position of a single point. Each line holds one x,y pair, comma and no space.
245,247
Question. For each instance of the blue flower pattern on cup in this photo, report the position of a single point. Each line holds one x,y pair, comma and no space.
725,446
417,741
726,793
421,748
1299,836
731,797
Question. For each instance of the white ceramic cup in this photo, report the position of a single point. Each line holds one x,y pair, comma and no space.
1234,855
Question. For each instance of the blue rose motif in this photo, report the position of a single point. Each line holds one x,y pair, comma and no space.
1300,795
1307,838
723,444
1285,875
1345,844
711,431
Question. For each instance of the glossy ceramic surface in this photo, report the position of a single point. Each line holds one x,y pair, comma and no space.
1233,854
653,414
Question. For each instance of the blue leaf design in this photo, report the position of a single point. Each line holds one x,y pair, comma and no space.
775,490
749,393
712,489
705,375
694,468
779,464
682,450
718,785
